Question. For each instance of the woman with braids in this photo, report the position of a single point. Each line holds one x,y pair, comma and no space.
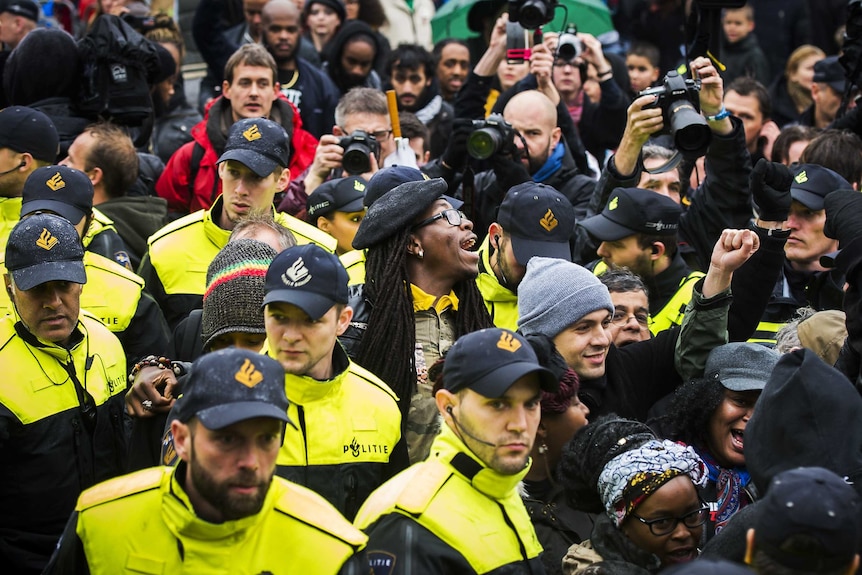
645,493
710,414
419,294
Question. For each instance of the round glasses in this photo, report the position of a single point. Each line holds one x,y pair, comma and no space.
667,525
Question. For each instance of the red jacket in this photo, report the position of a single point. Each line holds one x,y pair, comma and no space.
209,134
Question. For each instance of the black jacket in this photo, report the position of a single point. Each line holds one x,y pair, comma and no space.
800,419
567,180
315,96
136,219
722,201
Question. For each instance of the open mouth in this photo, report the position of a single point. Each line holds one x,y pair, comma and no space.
681,555
468,244
737,439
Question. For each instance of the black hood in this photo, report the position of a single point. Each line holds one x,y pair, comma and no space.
334,48
808,415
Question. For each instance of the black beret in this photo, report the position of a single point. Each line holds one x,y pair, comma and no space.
396,210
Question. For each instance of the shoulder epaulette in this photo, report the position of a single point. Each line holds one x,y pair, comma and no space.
179,224
360,371
409,492
120,487
309,507
93,259
307,231
352,258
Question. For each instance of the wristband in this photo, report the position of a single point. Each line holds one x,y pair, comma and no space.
722,114
606,75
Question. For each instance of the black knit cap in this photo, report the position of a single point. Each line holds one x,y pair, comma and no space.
397,210
234,292
336,5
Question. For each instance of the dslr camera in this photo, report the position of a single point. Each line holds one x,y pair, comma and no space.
569,46
532,14
490,136
679,100
358,148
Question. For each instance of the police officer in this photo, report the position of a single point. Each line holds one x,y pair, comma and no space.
113,294
32,142
253,168
348,436
638,230
61,404
459,510
534,220
220,509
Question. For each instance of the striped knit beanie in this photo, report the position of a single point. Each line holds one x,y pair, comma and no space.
234,295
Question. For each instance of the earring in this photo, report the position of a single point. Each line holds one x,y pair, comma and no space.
420,254
543,448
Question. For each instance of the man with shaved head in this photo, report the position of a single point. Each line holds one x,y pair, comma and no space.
539,154
310,90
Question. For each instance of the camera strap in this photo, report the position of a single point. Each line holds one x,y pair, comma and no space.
671,164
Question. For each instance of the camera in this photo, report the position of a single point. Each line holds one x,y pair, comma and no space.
679,100
358,146
569,45
532,14
490,136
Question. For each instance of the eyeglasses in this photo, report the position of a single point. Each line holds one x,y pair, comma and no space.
381,135
453,217
667,525
621,318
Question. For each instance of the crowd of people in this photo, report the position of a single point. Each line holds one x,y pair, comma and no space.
596,309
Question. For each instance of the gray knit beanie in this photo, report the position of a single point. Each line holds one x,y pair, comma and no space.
555,293
234,295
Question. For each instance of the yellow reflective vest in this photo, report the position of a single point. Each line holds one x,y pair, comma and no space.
145,523
475,516
502,303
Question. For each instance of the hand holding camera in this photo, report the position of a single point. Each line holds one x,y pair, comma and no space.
679,100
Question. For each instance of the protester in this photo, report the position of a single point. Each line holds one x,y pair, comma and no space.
646,488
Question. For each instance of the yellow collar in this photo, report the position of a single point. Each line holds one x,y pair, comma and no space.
422,301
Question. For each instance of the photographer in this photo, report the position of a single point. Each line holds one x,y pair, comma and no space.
532,144
723,199
361,109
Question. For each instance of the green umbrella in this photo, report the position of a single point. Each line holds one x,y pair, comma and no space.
451,20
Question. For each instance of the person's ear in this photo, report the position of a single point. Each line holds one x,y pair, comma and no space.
657,251
542,431
323,224
96,175
7,281
182,439
446,401
283,180
344,318
337,131
413,246
495,232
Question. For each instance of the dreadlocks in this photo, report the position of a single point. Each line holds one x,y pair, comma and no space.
389,345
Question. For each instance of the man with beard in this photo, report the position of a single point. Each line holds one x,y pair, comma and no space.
309,89
411,72
539,154
459,510
221,509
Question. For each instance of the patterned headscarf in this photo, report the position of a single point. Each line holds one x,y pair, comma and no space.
628,479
